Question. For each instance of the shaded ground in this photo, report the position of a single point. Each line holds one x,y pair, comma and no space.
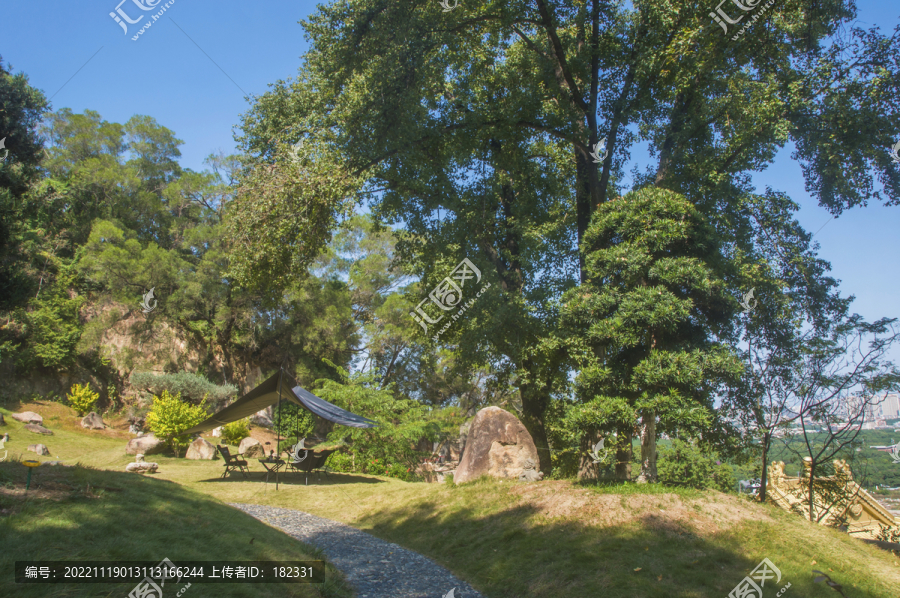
83,514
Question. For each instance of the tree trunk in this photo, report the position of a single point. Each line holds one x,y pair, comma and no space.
623,455
764,476
812,477
587,469
533,409
648,448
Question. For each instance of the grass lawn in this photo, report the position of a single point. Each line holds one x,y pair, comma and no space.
84,513
551,539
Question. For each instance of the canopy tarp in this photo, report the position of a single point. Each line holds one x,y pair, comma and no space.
267,394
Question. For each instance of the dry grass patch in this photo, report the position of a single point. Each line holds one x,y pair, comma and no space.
711,512
58,416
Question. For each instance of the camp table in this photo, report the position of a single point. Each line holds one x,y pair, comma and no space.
272,466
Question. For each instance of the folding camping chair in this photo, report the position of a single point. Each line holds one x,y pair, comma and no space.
232,463
308,462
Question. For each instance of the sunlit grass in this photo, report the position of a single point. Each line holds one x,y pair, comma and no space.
80,513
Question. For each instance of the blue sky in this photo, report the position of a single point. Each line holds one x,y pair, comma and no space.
193,68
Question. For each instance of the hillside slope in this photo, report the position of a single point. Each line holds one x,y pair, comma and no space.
552,539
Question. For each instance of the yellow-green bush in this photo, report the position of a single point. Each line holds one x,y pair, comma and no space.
234,432
82,399
169,417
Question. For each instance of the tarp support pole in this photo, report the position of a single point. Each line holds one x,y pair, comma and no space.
278,425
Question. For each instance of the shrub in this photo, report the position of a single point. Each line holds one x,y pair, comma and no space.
82,399
341,462
54,326
685,464
389,448
236,431
293,421
192,387
169,417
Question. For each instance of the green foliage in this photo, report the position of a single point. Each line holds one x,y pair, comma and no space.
389,447
169,417
55,327
293,421
646,328
686,464
193,387
82,399
342,462
234,432
283,215
24,231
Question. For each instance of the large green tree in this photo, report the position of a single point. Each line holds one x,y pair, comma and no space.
649,329
473,129
23,229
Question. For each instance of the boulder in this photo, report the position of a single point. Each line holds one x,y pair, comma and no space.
463,435
497,445
38,429
201,449
531,473
28,417
40,449
142,467
92,421
250,447
217,432
149,445
263,417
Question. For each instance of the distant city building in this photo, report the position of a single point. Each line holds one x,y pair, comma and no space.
890,407
879,407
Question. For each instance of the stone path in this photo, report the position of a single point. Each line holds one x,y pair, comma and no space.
376,568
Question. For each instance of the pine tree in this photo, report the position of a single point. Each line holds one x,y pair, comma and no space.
646,328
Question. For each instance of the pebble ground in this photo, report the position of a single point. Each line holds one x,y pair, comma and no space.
374,567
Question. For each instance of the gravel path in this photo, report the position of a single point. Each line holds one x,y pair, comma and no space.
375,567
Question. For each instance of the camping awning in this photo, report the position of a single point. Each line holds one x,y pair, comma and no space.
267,394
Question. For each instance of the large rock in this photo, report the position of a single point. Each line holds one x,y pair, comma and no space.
200,449
217,432
497,445
92,421
142,467
40,449
148,445
28,417
38,429
250,447
264,417
531,473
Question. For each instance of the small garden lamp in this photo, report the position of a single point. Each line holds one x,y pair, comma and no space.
30,464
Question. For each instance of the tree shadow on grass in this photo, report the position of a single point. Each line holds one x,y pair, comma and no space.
80,513
297,479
